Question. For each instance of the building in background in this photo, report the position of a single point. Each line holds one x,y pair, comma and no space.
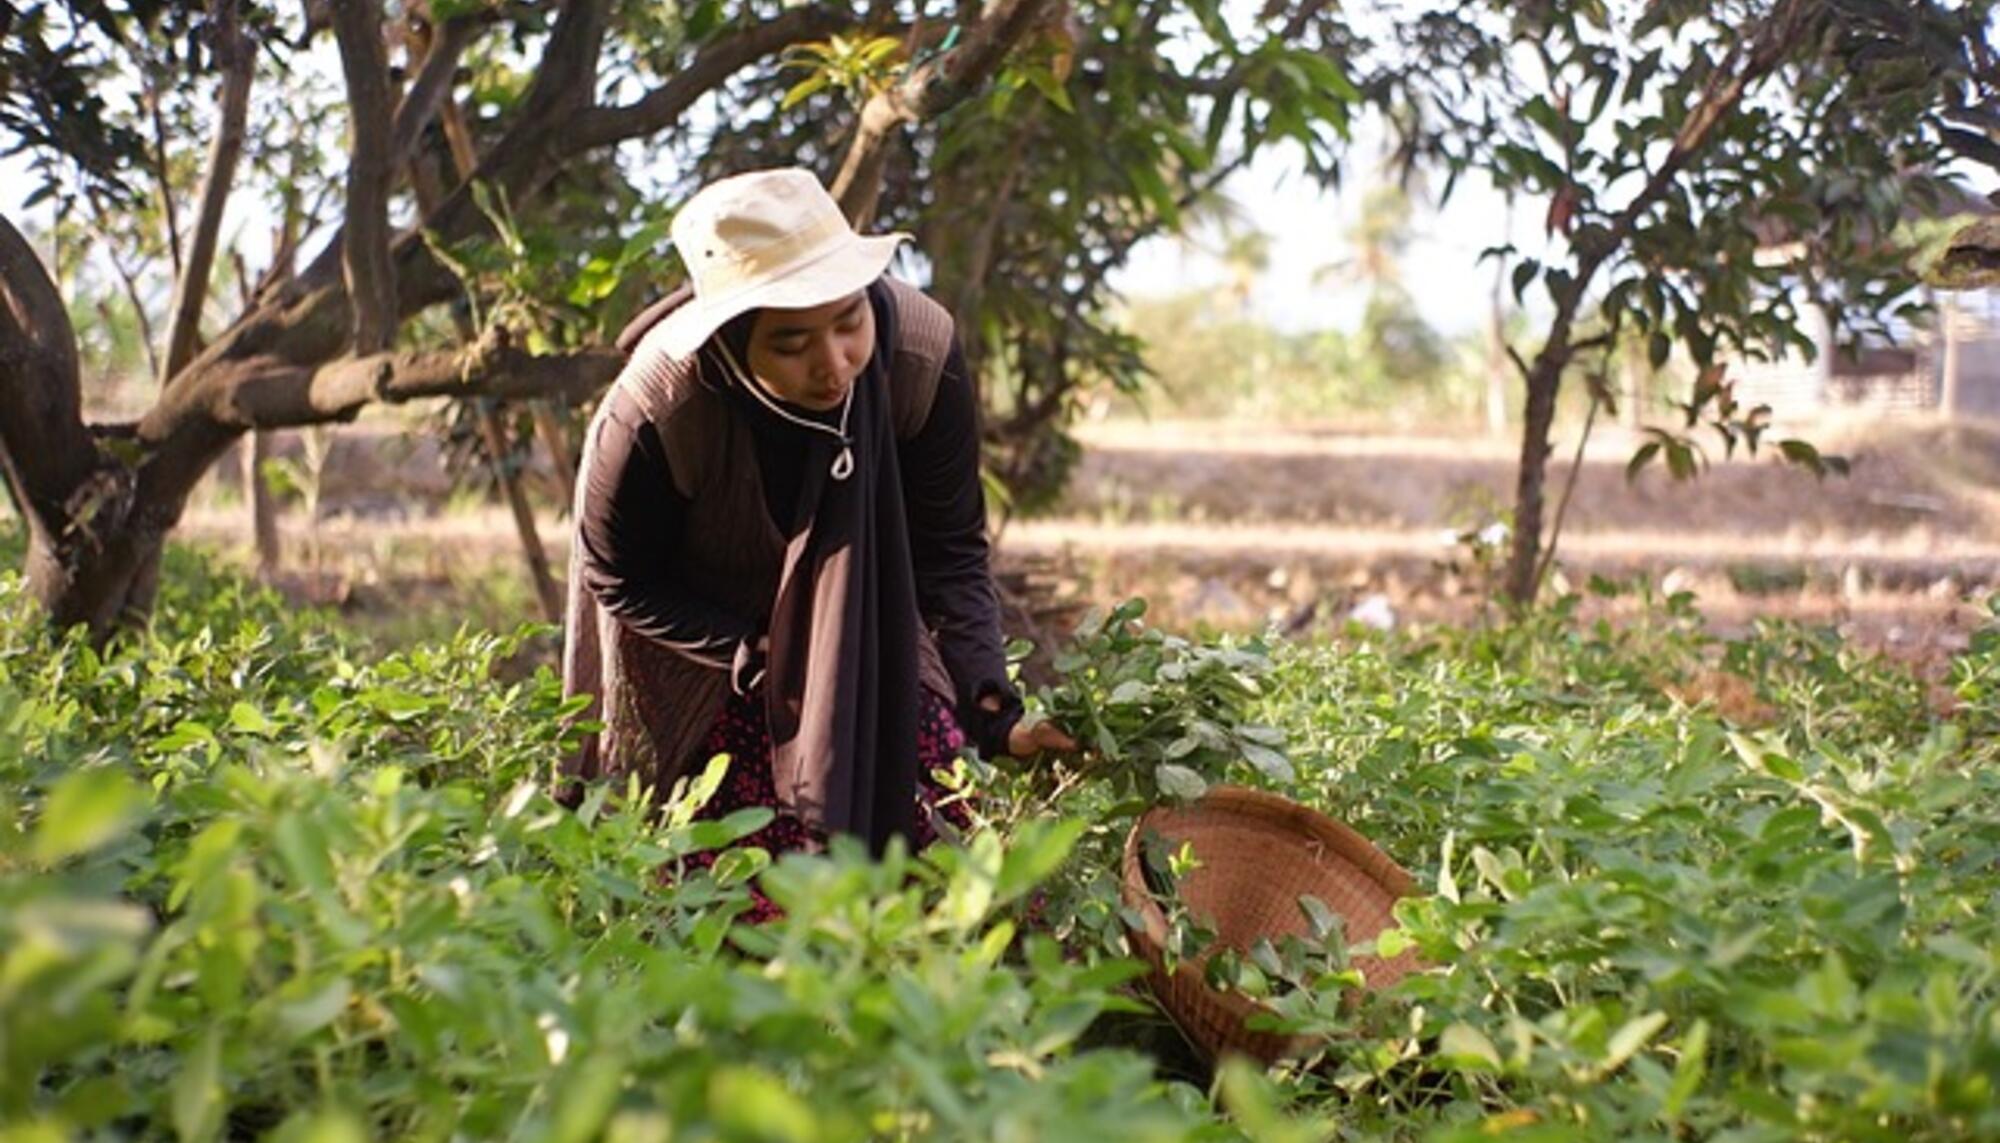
1951,369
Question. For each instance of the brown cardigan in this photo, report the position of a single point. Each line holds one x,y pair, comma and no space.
657,703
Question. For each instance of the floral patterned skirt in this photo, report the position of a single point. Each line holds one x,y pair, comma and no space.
741,732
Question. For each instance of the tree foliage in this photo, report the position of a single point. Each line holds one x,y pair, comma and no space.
1708,171
502,198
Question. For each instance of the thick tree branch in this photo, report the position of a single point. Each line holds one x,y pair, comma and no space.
59,481
711,68
370,275
46,450
266,393
282,346
237,59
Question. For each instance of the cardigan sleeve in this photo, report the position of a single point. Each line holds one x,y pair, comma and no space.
946,508
631,524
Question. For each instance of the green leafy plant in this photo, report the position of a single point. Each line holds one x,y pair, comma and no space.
1161,716
257,879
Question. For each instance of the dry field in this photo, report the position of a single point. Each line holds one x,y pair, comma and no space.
1240,527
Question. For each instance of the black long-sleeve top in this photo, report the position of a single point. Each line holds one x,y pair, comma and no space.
635,519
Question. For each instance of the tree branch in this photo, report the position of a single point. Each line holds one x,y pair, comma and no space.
431,87
47,457
267,393
931,89
711,68
126,278
370,275
158,157
566,80
46,449
237,58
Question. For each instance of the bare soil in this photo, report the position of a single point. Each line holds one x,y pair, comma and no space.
1243,527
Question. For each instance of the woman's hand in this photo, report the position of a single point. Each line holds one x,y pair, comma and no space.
1026,741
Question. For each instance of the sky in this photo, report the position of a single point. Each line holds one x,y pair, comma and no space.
1306,223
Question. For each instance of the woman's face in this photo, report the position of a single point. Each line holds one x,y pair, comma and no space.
811,357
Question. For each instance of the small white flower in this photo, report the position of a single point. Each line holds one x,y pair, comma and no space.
1495,534
553,1037
1374,612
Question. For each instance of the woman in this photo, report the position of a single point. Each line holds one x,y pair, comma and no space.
781,551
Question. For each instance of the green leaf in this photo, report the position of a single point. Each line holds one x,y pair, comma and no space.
1392,943
324,1126
1268,762
1036,851
396,705
1524,275
1468,1049
302,846
1640,459
750,1103
1045,81
1128,692
86,809
1689,1070
300,1018
198,1100
804,89
249,720
1633,1035
1321,919
1681,460
1179,782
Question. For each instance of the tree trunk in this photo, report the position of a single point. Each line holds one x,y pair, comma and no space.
1498,368
369,269
1543,384
493,429
112,590
555,438
1952,360
261,505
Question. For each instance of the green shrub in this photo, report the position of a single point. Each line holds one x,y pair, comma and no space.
251,886
256,880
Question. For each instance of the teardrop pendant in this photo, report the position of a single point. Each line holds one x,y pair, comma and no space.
843,465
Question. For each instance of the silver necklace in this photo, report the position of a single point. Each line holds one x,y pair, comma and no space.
843,463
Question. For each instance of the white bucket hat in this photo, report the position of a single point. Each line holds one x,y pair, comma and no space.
771,239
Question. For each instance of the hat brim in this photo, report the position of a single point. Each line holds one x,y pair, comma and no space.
826,277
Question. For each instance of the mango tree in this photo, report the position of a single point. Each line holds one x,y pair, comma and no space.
1677,148
565,83
505,169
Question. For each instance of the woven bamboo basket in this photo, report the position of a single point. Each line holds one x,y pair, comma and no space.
1258,854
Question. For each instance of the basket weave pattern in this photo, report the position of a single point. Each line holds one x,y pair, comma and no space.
1257,854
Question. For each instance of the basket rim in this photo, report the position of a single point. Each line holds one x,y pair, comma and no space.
1274,811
